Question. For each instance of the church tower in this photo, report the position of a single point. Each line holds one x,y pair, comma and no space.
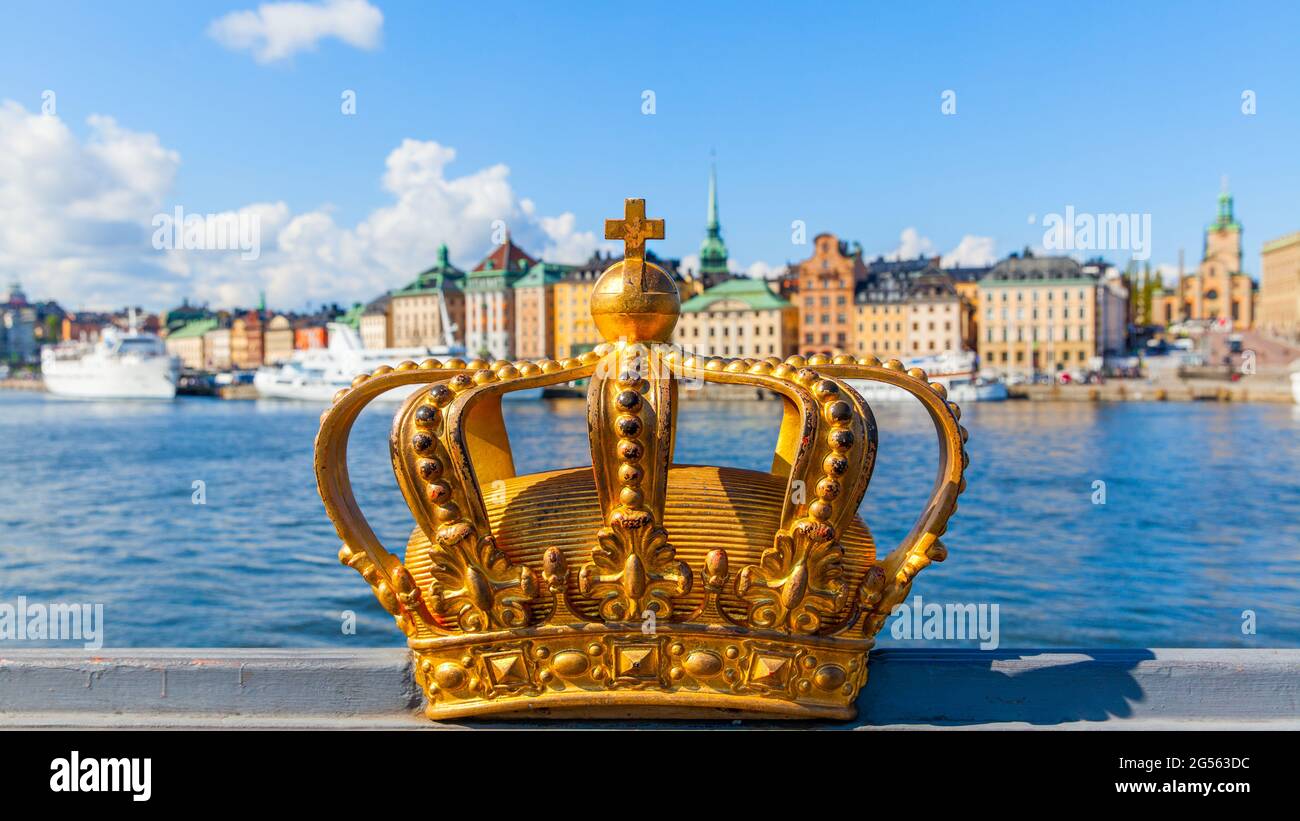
1219,291
713,251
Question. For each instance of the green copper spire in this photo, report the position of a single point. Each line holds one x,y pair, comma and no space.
713,251
1225,219
713,225
444,256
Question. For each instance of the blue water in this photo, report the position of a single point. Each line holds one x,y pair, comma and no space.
1201,519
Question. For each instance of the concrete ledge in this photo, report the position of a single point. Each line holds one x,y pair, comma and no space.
908,688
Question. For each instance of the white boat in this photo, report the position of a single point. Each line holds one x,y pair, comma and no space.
956,372
121,365
1295,386
316,375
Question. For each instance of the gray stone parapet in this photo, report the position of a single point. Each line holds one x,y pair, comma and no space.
908,688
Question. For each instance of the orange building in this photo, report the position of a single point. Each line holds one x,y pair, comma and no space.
827,281
246,341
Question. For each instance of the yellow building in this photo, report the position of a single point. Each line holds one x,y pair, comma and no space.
903,316
880,328
1279,287
1217,290
740,317
1040,314
278,340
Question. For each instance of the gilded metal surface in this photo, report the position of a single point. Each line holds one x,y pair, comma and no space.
637,587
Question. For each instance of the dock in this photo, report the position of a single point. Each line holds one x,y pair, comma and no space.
33,385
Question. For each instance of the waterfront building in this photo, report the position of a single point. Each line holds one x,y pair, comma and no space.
535,310
827,281
310,336
880,318
490,301
1279,287
1218,290
17,328
246,341
277,340
182,315
186,342
374,326
415,312
934,315
1114,308
575,332
216,349
82,326
1049,314
966,279
740,317
906,309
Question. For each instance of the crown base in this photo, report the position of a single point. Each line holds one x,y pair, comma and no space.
617,671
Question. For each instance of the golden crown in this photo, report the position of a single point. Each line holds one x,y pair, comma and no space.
637,587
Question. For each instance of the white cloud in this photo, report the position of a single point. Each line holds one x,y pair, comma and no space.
309,256
972,251
567,245
690,264
762,270
1168,273
75,214
77,224
911,245
277,31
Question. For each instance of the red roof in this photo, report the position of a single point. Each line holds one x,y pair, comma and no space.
505,257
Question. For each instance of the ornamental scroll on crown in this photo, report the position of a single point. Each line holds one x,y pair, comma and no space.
637,586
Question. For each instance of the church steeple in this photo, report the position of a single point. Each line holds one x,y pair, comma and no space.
713,251
713,226
1225,220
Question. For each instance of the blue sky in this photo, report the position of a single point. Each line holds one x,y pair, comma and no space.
830,114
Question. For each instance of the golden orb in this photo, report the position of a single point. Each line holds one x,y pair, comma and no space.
644,311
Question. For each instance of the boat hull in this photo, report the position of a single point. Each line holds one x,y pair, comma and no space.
961,392
145,380
270,387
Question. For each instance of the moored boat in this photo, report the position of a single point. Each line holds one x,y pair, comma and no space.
956,372
121,365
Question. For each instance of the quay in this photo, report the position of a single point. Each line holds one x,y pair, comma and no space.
1181,390
33,385
182,688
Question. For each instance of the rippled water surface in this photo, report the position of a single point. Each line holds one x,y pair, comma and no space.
1201,519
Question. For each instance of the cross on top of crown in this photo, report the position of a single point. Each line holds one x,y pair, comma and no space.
634,229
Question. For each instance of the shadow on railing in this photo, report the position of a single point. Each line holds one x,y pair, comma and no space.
955,687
